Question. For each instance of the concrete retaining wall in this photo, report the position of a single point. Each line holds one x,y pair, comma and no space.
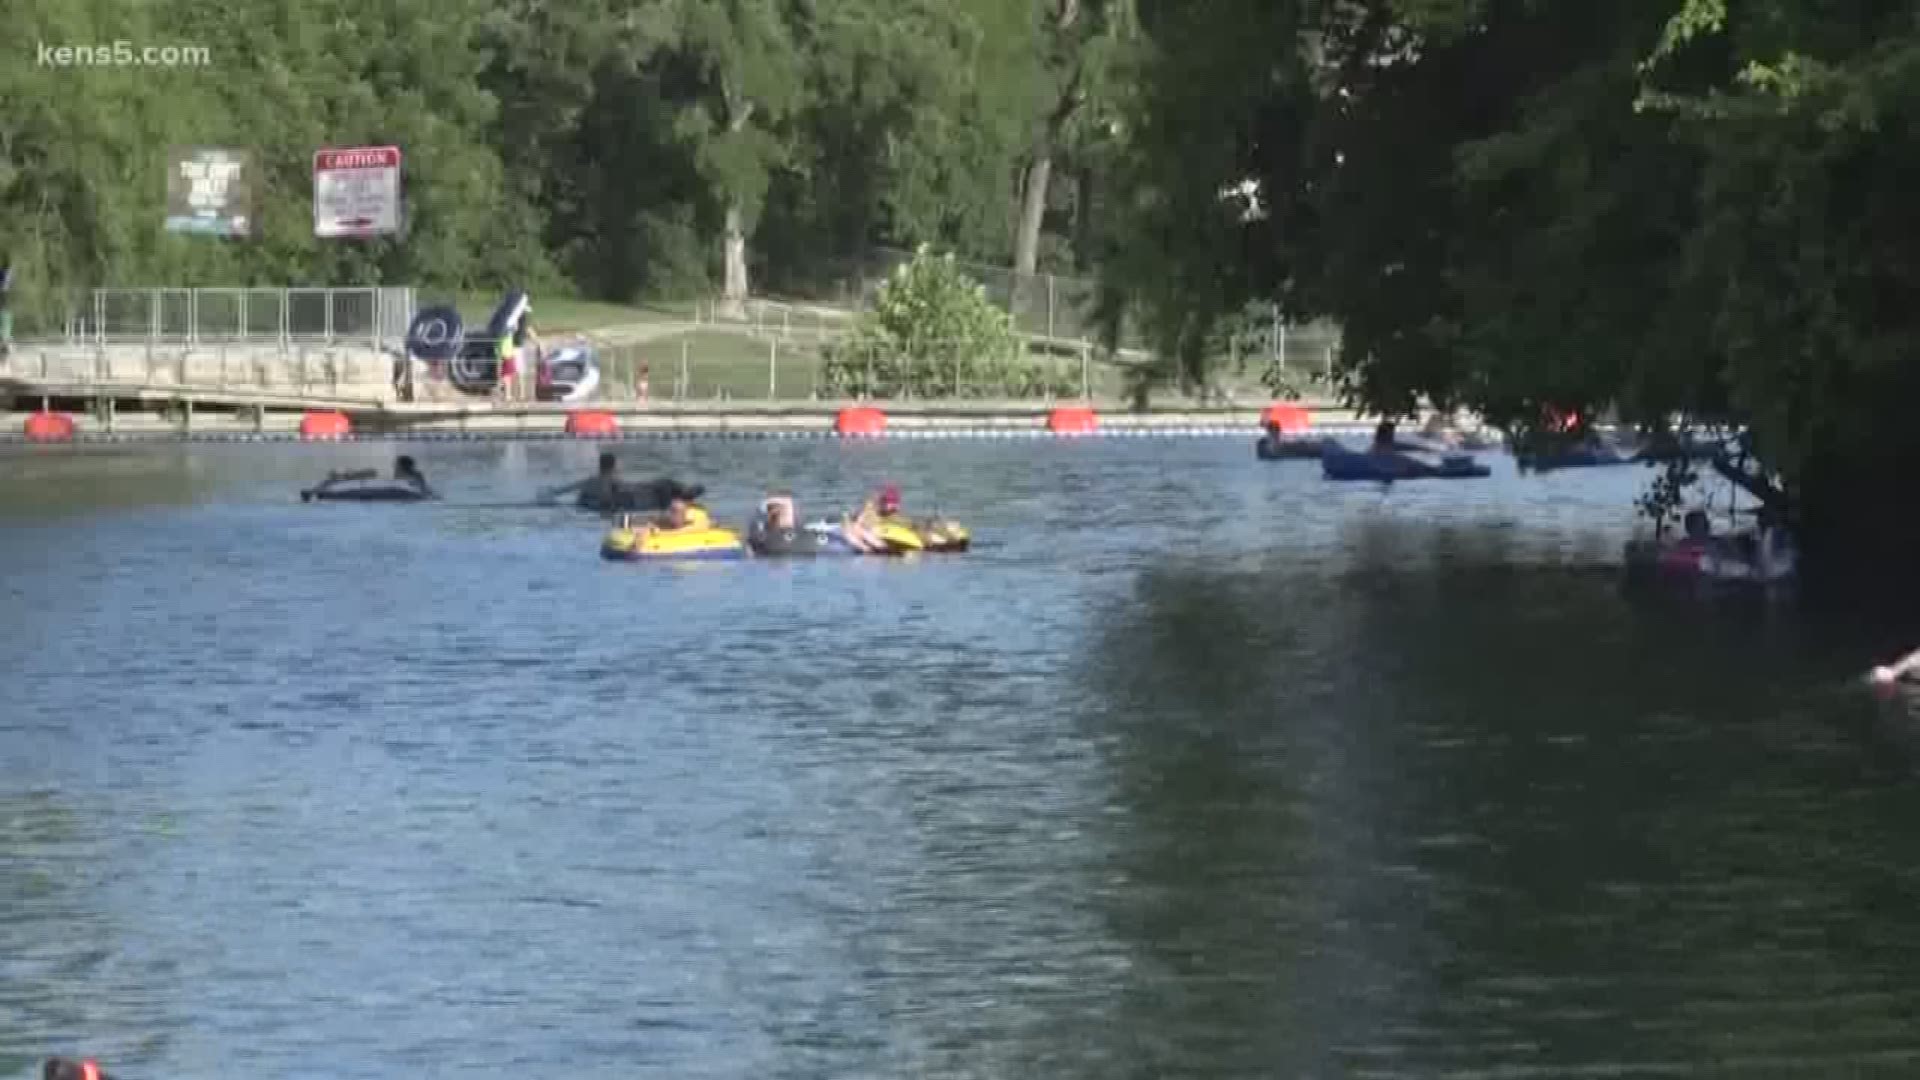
337,371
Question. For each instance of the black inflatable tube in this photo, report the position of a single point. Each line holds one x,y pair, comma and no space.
436,333
382,493
642,496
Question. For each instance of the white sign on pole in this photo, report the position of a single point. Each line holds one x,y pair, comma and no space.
356,191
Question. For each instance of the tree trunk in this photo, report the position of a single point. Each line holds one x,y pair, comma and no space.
1033,213
1039,178
733,287
733,239
1083,224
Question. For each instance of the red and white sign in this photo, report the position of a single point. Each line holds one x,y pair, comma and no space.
356,191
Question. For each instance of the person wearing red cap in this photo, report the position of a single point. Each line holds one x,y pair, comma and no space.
883,506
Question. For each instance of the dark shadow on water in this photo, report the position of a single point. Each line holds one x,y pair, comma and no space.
1467,816
64,975
43,485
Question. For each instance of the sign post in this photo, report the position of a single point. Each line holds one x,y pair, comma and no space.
207,192
356,192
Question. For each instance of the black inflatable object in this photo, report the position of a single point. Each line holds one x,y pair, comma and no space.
436,333
796,543
476,370
474,366
507,314
365,493
642,495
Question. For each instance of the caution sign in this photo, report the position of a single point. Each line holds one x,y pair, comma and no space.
356,191
208,191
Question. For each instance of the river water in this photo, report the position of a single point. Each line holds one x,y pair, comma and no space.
1198,767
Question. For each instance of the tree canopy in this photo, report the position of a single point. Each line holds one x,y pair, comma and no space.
1694,213
620,150
1690,210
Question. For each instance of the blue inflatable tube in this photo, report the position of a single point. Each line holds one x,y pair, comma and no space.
1343,464
1269,448
1583,457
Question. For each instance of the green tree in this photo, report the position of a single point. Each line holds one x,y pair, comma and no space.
741,57
1522,207
932,332
1081,44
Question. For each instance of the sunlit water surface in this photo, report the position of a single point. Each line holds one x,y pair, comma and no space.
1198,767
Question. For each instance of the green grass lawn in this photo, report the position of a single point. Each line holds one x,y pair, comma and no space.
703,365
561,315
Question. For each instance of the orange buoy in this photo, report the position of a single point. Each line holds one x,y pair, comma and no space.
592,424
325,425
1286,417
50,427
863,420
1077,420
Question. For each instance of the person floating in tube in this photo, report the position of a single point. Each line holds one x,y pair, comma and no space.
605,490
405,471
681,513
862,527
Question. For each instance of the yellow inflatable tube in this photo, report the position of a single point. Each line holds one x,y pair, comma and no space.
903,537
700,539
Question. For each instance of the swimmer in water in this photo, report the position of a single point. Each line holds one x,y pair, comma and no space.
605,490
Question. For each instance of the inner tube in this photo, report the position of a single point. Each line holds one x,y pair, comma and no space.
364,493
798,543
697,542
642,495
1340,463
1678,447
906,537
436,334
476,369
506,315
570,374
1579,457
1269,448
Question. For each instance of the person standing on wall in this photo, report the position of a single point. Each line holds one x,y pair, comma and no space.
508,365
528,353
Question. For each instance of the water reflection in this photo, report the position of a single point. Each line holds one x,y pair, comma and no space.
1491,820
70,977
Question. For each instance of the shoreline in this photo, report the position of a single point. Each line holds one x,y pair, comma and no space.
618,421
